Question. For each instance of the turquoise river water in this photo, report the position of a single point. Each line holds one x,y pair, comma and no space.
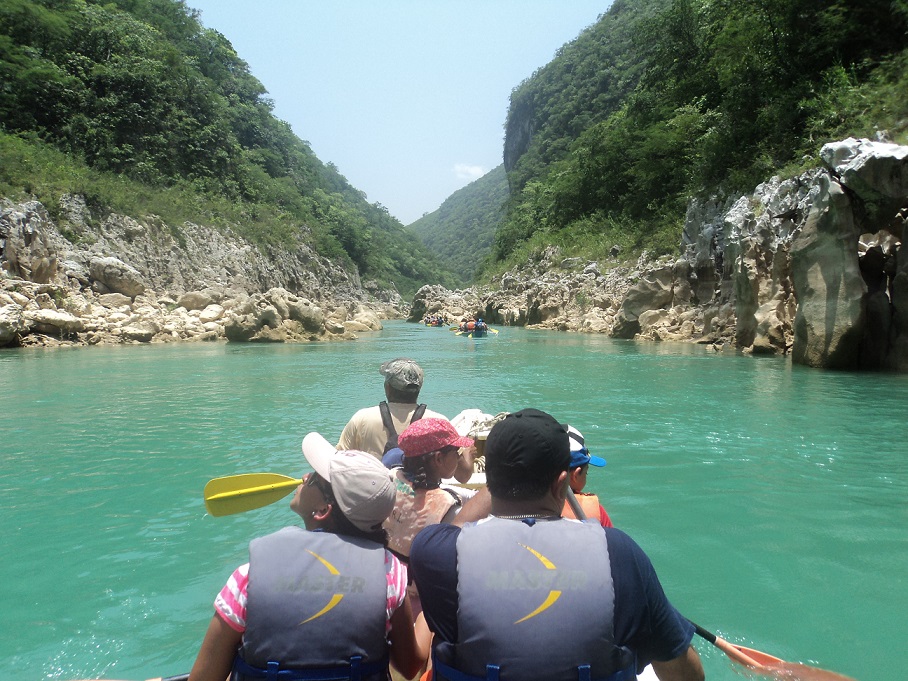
772,499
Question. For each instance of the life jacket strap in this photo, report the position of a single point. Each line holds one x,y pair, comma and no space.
386,421
356,671
449,673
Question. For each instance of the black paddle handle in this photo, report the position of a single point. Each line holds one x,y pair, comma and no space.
701,632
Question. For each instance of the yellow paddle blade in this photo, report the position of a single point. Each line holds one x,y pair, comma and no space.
491,330
240,493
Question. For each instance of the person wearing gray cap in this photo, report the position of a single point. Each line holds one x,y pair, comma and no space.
287,613
527,594
375,429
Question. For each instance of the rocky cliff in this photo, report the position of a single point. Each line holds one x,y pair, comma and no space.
86,278
807,267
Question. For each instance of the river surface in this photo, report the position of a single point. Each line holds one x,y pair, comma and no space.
772,499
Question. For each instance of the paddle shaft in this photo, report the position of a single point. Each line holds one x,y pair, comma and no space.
575,505
723,645
733,652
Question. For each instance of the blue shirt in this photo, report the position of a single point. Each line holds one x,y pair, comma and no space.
645,620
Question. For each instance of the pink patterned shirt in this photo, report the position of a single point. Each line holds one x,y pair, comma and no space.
230,603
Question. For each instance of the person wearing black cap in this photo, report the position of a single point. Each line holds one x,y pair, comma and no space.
493,590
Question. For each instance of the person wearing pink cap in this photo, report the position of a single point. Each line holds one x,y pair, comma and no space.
430,454
287,613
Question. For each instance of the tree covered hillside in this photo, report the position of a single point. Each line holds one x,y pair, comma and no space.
126,98
463,228
664,99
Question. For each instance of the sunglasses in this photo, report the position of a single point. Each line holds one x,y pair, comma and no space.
315,480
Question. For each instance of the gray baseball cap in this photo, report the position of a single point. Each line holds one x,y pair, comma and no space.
361,484
402,374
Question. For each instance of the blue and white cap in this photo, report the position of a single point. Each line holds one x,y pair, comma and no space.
580,455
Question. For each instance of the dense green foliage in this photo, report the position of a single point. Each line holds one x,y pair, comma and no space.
138,92
462,229
664,99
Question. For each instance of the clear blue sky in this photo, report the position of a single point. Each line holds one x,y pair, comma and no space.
407,98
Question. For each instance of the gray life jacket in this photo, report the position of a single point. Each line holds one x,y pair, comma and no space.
535,601
316,602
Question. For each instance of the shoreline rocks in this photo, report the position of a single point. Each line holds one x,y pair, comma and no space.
806,267
118,280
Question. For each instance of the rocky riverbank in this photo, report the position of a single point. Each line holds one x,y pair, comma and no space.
807,267
88,279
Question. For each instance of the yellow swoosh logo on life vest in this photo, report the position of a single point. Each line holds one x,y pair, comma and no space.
335,599
553,594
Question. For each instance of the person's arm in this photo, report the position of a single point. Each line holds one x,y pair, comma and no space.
604,519
409,648
215,658
686,667
464,470
475,508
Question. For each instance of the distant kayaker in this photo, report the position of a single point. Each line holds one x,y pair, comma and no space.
292,606
375,429
581,460
529,594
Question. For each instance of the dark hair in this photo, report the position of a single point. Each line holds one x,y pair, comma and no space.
416,470
342,524
404,396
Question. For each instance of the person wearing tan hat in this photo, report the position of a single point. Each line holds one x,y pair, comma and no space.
376,429
289,610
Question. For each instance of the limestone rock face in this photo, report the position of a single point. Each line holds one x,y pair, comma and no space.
28,248
12,323
807,266
827,282
121,280
116,276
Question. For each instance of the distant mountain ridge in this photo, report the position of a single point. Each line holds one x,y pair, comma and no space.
462,229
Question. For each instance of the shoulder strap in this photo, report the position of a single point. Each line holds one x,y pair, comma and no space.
389,426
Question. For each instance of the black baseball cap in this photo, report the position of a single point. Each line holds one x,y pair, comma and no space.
527,444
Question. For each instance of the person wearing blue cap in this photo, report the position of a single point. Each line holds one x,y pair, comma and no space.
581,460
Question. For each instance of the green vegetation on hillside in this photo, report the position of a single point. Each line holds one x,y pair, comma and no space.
665,99
463,228
139,100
